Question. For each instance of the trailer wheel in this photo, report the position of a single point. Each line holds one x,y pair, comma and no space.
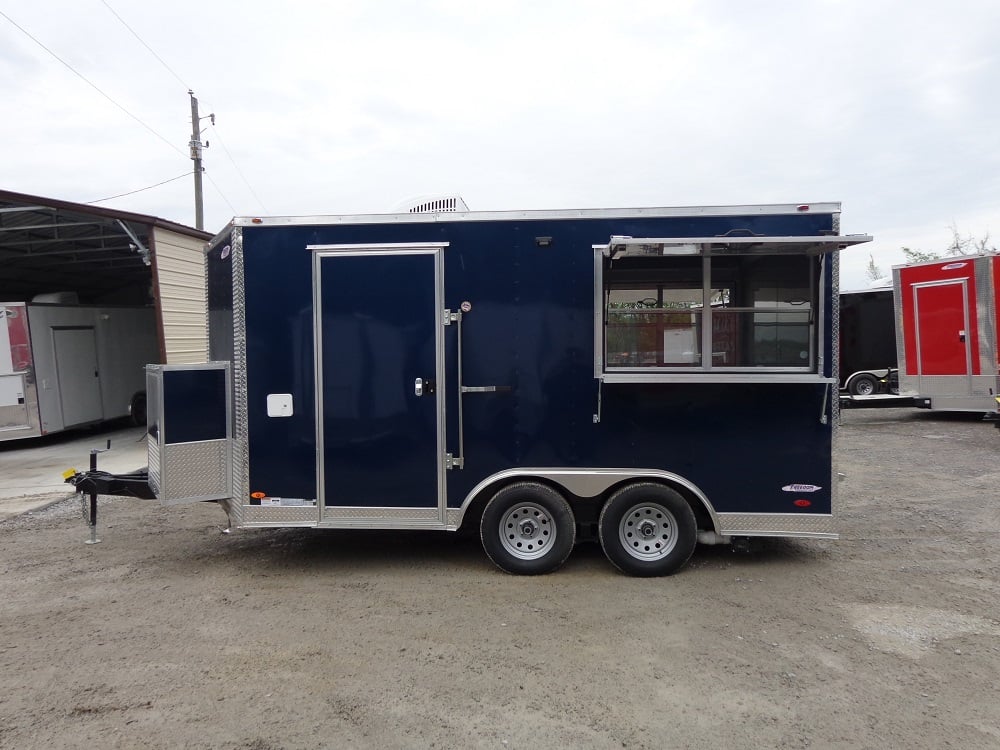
647,530
137,409
863,385
528,528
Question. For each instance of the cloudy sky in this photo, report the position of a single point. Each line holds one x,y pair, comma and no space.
892,107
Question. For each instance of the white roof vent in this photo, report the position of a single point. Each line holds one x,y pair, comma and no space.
57,298
432,205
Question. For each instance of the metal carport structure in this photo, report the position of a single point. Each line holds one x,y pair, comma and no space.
108,257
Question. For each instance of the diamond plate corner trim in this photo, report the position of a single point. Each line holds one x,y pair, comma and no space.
986,314
382,518
777,524
906,382
195,471
835,371
153,461
241,459
256,515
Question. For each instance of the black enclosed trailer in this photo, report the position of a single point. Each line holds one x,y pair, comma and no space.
868,342
658,377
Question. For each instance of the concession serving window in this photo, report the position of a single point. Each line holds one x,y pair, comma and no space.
728,309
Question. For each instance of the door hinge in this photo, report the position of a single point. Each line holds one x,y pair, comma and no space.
451,462
451,316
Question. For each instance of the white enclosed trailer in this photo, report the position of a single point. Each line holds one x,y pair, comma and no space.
63,366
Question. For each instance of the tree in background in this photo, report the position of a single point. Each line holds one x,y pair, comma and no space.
959,245
872,271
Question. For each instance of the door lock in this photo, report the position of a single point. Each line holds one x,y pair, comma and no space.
422,387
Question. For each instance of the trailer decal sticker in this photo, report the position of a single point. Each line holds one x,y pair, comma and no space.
801,488
225,252
952,266
259,498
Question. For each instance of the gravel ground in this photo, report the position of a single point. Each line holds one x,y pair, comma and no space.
171,634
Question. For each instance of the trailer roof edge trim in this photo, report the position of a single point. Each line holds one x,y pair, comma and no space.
539,215
944,259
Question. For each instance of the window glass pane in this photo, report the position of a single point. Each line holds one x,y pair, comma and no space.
762,311
682,338
740,340
793,303
727,349
631,339
781,345
647,328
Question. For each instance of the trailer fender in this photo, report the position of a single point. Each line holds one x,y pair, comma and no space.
868,382
592,483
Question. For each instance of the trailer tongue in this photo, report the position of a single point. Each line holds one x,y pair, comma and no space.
651,377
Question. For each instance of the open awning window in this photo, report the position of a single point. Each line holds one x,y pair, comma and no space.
714,308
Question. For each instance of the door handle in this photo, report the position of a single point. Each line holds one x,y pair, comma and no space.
422,387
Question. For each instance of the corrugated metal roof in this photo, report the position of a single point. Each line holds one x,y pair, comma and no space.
51,245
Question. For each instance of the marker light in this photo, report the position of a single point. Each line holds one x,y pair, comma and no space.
802,503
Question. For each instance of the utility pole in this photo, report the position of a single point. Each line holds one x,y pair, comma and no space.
196,149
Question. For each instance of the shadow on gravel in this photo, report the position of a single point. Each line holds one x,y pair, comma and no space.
953,416
429,551
860,416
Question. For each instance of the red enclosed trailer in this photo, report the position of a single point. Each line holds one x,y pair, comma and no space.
946,332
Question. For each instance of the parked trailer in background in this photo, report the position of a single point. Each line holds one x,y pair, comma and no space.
68,365
651,377
946,327
868,342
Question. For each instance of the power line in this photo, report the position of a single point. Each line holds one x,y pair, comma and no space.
143,43
181,81
89,82
133,192
219,191
238,170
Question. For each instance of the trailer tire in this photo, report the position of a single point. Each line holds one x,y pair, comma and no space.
528,529
647,529
863,385
137,409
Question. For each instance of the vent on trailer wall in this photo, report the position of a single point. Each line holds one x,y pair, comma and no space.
433,205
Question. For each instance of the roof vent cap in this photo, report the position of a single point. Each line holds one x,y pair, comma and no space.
432,204
57,298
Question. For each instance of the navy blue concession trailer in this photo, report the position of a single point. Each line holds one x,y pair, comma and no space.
652,377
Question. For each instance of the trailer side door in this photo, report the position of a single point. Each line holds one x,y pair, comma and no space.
943,337
78,377
379,383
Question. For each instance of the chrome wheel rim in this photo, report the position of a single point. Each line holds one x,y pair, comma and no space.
865,387
527,531
648,531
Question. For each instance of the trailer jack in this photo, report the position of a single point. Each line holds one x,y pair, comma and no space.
95,482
